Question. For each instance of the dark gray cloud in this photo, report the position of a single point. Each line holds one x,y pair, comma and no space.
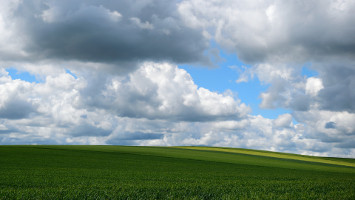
28,140
330,125
122,137
16,109
8,130
339,83
348,144
88,130
116,32
301,31
137,136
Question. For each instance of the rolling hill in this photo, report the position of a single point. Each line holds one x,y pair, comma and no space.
126,172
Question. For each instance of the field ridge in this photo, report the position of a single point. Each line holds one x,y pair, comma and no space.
306,158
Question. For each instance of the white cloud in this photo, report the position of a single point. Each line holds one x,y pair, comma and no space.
72,107
313,86
11,43
142,25
161,91
335,128
284,121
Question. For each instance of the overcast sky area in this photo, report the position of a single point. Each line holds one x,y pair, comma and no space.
272,75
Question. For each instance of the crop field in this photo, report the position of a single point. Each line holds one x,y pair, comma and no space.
125,172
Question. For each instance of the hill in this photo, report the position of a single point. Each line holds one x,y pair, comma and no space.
126,172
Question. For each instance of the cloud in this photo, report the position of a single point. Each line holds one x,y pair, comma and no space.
132,138
162,91
335,128
313,86
120,34
13,101
277,38
338,93
84,129
277,31
331,90
83,106
284,121
16,109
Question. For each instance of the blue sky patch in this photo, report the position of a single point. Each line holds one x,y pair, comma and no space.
307,71
224,78
71,73
22,75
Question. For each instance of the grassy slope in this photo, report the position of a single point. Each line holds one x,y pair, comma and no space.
70,172
325,160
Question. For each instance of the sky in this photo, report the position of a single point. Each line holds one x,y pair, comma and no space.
271,75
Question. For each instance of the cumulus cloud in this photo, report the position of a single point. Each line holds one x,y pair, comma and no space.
156,91
279,37
110,32
254,132
335,128
313,86
275,30
284,120
13,101
69,117
163,91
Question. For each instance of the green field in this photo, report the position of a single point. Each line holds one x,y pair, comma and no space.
123,172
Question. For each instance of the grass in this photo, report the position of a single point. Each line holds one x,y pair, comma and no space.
123,172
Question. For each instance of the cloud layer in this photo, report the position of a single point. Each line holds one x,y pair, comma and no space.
153,92
116,33
142,109
277,31
128,88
